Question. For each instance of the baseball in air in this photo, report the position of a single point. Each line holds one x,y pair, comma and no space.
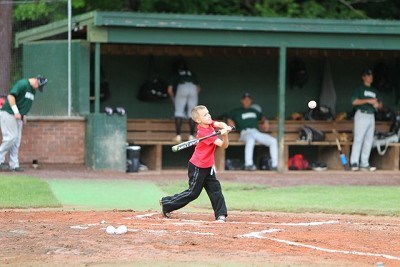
121,230
110,230
312,104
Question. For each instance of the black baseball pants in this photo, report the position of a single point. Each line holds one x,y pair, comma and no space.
199,178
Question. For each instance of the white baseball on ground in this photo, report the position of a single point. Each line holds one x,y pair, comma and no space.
121,230
110,230
312,104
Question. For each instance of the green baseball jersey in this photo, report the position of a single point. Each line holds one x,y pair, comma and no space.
24,95
365,92
245,118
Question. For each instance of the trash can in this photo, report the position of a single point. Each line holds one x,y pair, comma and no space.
132,158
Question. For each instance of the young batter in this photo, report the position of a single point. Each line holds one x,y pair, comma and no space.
201,171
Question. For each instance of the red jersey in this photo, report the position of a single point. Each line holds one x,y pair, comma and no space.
203,156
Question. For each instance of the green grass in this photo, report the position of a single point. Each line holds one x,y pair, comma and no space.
85,194
373,200
106,194
25,192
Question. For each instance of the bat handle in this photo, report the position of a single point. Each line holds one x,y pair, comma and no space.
343,159
233,128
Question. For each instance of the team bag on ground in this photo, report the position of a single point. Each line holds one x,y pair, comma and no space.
298,162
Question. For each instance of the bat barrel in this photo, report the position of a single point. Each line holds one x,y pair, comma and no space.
184,145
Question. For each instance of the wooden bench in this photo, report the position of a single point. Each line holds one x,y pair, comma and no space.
155,134
152,135
326,151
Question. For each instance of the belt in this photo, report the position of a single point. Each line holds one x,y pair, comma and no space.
366,112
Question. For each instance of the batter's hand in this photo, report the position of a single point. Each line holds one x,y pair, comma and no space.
224,131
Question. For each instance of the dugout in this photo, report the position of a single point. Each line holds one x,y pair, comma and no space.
229,54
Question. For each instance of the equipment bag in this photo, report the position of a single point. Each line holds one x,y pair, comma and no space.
154,88
310,134
298,162
320,113
265,162
233,164
382,140
395,127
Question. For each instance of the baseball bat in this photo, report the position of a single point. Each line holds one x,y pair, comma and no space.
194,142
342,156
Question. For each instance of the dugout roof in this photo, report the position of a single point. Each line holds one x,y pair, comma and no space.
206,30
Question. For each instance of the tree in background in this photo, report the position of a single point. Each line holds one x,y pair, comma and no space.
5,46
41,12
309,9
339,9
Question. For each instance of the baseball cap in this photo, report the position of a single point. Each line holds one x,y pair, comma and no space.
41,81
246,95
367,71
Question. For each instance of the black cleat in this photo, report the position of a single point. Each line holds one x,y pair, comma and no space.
164,214
17,169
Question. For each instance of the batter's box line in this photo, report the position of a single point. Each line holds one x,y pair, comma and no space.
260,235
86,226
188,221
335,251
166,232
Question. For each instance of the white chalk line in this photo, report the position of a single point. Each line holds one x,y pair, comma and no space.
305,223
142,216
192,222
164,232
336,251
259,234
86,226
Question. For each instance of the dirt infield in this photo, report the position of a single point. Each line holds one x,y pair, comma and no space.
78,238
59,238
